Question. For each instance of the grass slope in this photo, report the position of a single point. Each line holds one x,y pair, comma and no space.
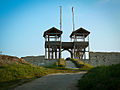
15,71
101,78
16,74
81,65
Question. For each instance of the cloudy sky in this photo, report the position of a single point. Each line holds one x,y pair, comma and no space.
23,22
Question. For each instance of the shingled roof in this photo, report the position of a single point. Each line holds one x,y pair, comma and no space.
52,32
80,32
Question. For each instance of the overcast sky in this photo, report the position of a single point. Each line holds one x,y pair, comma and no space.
23,22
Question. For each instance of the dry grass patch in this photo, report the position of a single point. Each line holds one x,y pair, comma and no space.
81,65
61,63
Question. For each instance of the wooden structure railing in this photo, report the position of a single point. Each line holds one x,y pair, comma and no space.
78,46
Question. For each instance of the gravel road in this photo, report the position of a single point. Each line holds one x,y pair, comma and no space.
60,81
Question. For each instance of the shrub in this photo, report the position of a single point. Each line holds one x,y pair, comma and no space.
101,78
62,63
68,58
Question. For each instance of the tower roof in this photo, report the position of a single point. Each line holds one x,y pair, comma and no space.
52,32
80,32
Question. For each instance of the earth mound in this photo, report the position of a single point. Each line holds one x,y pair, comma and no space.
6,60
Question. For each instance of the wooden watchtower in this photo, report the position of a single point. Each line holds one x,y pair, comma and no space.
80,39
52,43
78,47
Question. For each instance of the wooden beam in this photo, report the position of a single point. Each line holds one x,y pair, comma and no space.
52,53
73,18
48,38
55,53
48,52
45,53
60,18
59,53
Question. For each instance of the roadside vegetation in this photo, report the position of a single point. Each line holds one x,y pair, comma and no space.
81,65
12,74
15,71
61,63
58,65
16,74
101,78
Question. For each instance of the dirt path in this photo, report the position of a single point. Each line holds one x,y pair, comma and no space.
59,81
70,64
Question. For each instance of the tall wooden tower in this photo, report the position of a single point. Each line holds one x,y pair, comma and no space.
52,43
80,39
78,47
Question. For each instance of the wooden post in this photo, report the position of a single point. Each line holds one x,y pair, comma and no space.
84,54
48,38
79,53
55,53
55,37
74,52
71,39
75,38
61,18
61,30
73,19
52,53
45,53
83,37
49,52
59,53
88,48
45,38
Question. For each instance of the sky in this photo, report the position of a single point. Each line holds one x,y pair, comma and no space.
23,22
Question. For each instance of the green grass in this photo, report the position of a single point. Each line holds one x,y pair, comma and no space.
10,74
16,74
20,71
55,65
101,78
81,65
62,70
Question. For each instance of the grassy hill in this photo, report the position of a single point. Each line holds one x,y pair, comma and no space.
15,71
7,60
101,78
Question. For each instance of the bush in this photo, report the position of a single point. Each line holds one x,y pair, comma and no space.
68,58
81,64
101,78
62,63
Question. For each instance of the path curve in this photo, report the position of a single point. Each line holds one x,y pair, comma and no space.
60,81
70,64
